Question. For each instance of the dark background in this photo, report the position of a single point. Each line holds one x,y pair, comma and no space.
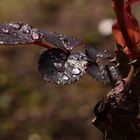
31,108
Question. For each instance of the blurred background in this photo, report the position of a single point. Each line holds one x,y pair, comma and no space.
31,108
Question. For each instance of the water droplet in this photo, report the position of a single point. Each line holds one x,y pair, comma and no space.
99,55
76,71
66,43
61,38
74,76
130,91
45,78
107,53
58,66
16,26
102,77
16,43
35,36
26,31
10,24
65,78
5,30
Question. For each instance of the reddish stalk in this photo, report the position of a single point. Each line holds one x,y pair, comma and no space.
120,14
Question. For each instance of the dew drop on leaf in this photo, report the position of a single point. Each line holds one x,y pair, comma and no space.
58,66
76,71
5,30
35,36
65,78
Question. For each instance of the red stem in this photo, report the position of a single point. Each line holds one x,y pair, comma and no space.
120,14
39,43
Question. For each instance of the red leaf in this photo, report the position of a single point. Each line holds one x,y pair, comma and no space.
127,34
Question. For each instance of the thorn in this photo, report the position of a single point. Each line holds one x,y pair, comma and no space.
118,64
132,62
93,121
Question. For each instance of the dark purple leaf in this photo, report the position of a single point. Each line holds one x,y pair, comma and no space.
100,73
61,40
18,33
60,67
95,55
98,62
97,73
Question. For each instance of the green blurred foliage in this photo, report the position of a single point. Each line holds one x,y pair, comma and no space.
32,109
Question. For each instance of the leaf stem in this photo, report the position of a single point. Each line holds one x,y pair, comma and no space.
119,8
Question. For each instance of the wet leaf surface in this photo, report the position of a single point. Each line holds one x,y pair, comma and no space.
61,67
98,61
18,33
61,40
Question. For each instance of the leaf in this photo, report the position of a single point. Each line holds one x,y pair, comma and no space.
126,30
60,67
98,60
60,40
18,33
132,29
95,54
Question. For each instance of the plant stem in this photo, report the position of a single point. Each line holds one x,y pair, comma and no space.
120,14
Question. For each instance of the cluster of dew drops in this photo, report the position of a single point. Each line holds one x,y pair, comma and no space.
58,65
18,33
